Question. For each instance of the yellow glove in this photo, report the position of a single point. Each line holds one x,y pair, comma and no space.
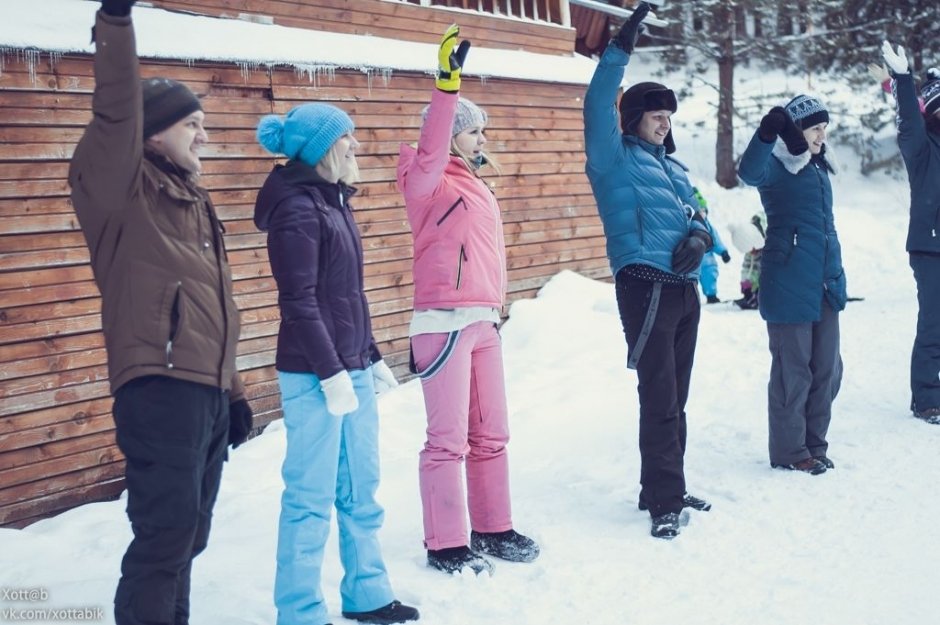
450,61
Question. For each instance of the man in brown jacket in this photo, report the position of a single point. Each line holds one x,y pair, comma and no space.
168,316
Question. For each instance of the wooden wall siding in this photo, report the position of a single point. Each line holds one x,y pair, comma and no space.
56,442
395,20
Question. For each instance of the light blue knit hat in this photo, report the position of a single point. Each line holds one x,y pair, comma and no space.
306,133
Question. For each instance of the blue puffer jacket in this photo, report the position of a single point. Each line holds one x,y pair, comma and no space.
644,197
921,152
802,259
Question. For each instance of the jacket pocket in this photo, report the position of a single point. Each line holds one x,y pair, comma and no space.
461,258
452,208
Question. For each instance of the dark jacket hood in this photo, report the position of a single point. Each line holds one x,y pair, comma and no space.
290,179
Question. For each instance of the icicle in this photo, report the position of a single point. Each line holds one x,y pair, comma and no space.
32,58
246,67
368,73
386,76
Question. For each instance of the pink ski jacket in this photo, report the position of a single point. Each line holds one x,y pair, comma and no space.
459,251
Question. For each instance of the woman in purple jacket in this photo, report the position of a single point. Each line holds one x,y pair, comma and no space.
328,365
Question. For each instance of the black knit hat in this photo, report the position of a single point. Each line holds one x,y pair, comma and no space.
930,91
643,97
166,102
807,111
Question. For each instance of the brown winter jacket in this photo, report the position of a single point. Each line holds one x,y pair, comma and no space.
155,242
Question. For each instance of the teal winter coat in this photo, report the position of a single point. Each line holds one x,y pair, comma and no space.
802,259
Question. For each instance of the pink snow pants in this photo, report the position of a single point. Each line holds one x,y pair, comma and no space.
465,399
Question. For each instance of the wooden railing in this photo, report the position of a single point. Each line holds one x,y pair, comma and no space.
546,11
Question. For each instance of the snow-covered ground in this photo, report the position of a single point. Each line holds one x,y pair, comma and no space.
851,547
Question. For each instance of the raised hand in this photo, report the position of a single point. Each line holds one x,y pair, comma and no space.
793,138
772,124
450,60
117,8
896,61
632,28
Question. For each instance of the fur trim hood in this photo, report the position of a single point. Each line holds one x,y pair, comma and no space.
795,164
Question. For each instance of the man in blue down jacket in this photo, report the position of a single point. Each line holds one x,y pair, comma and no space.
655,244
919,140
802,284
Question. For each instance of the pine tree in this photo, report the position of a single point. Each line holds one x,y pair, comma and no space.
726,33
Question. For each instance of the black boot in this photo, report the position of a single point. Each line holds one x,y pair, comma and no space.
712,299
456,559
509,545
395,612
808,465
667,525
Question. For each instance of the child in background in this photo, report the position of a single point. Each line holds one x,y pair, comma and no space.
749,240
708,272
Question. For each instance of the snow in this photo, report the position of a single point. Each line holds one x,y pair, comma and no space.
851,547
64,26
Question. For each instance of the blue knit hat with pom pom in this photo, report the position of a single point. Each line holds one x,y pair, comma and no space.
306,133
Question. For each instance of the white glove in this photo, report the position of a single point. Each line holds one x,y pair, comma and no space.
340,396
383,377
897,61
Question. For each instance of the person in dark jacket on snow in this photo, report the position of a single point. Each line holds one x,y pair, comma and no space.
169,320
655,244
328,367
919,140
802,283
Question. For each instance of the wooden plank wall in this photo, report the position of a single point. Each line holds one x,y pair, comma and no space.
56,435
399,20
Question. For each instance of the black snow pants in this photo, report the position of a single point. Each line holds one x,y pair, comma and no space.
174,435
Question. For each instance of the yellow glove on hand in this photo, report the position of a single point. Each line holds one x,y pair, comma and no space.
450,61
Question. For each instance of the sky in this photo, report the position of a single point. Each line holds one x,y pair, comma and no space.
851,547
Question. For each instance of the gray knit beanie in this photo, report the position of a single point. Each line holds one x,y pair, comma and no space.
466,116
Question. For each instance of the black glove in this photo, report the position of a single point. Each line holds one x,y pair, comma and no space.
725,257
688,254
117,8
239,422
632,28
772,124
793,138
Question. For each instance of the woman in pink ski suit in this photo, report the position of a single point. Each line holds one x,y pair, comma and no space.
460,284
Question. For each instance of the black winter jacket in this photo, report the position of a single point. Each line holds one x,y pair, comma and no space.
921,151
316,258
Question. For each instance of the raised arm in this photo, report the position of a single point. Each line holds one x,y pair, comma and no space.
105,168
424,175
602,134
912,129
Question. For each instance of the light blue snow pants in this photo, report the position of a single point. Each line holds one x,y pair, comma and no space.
330,461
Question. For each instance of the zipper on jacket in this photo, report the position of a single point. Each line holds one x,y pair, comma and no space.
462,256
174,325
451,209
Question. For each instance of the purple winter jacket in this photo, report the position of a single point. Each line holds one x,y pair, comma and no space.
316,258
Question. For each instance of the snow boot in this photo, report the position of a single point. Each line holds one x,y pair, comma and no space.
808,465
455,559
667,525
712,299
509,545
395,612
931,415
826,461
688,501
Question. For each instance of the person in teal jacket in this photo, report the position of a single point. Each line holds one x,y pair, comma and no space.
802,283
655,244
919,140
